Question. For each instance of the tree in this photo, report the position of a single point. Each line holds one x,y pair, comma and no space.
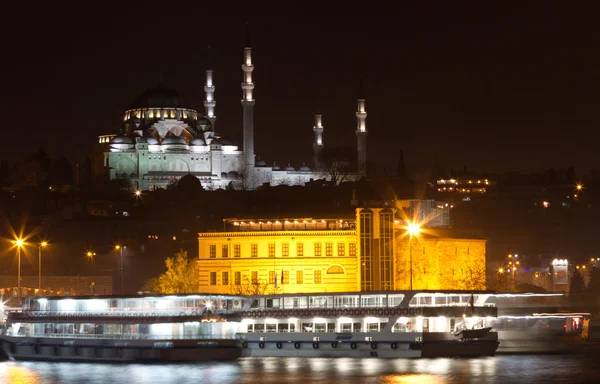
181,276
335,163
258,287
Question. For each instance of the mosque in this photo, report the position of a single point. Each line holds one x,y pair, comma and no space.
163,138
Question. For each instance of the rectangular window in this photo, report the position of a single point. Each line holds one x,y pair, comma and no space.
254,250
225,278
237,250
213,278
317,277
224,250
213,251
329,249
254,277
352,249
341,249
271,277
272,250
237,278
300,249
285,249
286,277
317,249
299,277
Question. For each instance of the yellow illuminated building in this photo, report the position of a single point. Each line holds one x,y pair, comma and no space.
280,256
371,251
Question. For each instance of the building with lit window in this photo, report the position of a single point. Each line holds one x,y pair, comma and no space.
369,250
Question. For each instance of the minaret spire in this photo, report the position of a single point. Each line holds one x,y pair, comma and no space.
318,130
248,104
209,89
361,131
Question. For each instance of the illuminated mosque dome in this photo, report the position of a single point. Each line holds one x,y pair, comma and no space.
159,97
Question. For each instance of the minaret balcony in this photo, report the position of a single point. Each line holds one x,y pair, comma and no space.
247,86
247,67
209,88
209,103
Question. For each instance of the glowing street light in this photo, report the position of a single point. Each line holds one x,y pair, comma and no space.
579,187
120,248
42,245
138,193
19,243
413,230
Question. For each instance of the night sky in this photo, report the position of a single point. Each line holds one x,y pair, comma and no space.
494,88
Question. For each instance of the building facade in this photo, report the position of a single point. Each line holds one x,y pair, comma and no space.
371,250
163,138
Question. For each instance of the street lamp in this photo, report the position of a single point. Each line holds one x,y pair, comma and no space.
413,230
19,243
138,193
120,248
42,245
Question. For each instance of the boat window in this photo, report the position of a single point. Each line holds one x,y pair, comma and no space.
382,326
283,328
330,327
259,327
271,327
250,328
346,327
307,327
373,327
320,327
357,327
292,328
399,327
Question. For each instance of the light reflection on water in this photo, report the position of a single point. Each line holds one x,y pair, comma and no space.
502,369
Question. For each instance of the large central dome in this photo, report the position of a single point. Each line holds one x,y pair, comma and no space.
159,98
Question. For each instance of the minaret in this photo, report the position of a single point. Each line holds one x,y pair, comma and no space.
361,132
248,104
318,145
209,102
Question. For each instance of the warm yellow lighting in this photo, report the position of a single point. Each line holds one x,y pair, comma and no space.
583,267
138,193
501,270
414,229
579,187
517,263
43,243
117,247
510,256
19,242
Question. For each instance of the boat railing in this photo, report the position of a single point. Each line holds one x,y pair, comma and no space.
133,336
188,311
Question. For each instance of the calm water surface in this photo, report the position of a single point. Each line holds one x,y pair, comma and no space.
500,369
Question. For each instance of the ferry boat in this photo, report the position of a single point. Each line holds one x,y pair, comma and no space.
374,324
157,328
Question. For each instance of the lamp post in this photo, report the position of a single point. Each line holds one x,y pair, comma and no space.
42,245
19,243
413,230
120,248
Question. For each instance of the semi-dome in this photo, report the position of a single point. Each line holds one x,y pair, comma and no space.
173,140
121,140
198,141
159,98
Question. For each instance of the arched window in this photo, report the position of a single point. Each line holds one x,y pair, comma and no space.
335,270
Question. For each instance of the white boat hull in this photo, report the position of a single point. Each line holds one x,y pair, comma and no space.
118,351
395,345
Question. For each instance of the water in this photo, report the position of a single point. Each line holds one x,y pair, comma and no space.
500,369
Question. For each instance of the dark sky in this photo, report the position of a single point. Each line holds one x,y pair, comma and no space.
491,86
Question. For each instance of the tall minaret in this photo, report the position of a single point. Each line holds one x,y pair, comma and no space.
361,132
209,89
318,145
248,104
